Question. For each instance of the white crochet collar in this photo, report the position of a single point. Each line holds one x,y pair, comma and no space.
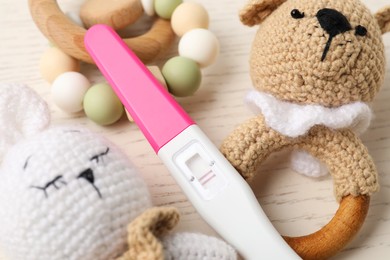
294,120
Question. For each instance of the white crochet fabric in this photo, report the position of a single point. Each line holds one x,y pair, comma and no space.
294,120
190,246
22,114
83,214
67,193
304,163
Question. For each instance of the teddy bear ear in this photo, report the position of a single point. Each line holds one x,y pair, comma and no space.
383,18
22,114
257,10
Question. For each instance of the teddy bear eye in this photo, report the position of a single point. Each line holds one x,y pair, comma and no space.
360,30
296,14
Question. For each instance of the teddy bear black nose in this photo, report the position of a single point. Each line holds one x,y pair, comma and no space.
333,22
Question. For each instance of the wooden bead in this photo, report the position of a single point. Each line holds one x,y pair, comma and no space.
55,62
188,16
131,120
158,75
200,45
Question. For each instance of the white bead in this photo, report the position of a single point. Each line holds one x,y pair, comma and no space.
75,18
68,91
200,45
148,6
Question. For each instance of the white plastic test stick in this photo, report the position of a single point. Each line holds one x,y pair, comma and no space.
214,187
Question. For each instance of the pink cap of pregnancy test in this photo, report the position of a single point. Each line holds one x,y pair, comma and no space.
153,109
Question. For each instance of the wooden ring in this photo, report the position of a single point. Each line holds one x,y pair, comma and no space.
69,37
117,14
334,236
252,142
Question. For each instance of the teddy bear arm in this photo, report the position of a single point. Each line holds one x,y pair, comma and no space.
352,168
251,143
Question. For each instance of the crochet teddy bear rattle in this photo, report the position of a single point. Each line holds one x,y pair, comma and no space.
315,65
67,193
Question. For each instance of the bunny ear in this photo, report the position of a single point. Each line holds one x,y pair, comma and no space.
22,114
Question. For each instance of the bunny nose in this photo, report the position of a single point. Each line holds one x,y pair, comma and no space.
333,22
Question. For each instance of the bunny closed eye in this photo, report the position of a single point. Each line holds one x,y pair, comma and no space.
97,157
59,182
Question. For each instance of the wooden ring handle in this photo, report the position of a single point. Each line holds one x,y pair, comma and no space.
69,37
330,239
117,14
348,161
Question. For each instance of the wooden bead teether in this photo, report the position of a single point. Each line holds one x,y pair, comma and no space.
69,37
118,14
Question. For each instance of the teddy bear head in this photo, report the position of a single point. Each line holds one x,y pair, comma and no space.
327,52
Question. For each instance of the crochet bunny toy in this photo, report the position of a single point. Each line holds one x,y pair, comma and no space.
67,193
316,66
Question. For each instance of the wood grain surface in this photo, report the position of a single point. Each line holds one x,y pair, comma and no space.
296,205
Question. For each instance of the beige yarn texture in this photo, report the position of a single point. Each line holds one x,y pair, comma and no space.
286,62
257,10
383,17
286,56
349,163
144,230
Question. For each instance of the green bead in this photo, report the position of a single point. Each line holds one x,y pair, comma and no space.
165,8
101,104
182,75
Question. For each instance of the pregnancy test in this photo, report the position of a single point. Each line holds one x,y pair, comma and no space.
215,188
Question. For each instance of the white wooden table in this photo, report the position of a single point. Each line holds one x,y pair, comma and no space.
296,205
